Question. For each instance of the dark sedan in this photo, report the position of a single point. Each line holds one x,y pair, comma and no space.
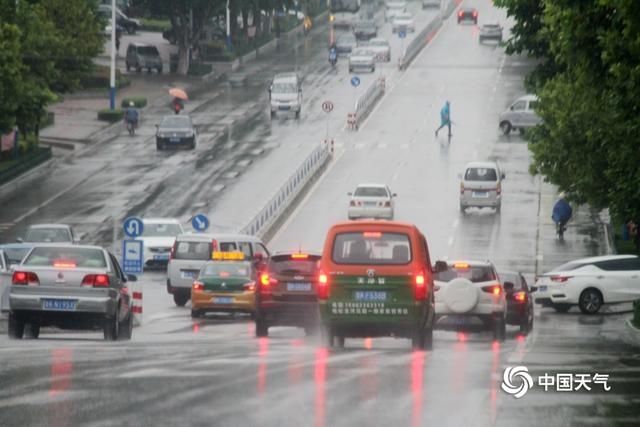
175,131
519,301
468,14
365,30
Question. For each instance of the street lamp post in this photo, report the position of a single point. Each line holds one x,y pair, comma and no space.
112,91
228,26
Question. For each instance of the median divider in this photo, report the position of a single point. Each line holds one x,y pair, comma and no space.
365,103
264,222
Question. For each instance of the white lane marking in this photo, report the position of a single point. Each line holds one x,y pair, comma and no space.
455,223
450,242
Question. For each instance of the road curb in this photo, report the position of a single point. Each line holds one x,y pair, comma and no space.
631,334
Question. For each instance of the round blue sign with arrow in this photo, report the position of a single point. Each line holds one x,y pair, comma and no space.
402,34
200,222
355,81
133,227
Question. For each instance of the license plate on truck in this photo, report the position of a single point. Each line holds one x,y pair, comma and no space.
370,295
59,304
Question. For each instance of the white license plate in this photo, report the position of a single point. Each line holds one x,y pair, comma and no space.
59,304
370,296
298,287
222,300
482,194
188,274
163,257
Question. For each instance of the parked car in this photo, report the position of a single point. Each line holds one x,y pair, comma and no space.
490,32
49,233
70,287
521,115
426,4
174,131
590,283
362,57
481,186
140,55
394,8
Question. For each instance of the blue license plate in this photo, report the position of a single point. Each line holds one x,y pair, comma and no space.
298,287
187,274
163,257
542,288
370,296
222,300
59,304
284,107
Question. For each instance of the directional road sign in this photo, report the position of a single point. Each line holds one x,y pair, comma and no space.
132,256
200,222
402,34
355,81
133,227
327,106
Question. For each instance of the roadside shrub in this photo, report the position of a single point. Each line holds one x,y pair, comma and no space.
155,25
48,118
139,101
111,116
100,78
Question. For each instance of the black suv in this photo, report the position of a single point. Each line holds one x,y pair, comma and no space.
286,293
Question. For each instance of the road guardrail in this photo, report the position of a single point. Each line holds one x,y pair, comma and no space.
365,103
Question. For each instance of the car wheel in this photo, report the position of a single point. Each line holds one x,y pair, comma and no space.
499,329
561,308
590,301
350,70
340,341
422,339
158,146
111,328
463,209
298,113
505,127
328,337
15,327
196,314
33,331
262,327
525,324
126,328
180,299
149,70
138,69
273,115
373,69
159,70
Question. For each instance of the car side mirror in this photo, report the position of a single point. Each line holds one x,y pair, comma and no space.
511,108
503,176
349,193
132,278
394,195
533,288
508,286
440,267
157,127
19,239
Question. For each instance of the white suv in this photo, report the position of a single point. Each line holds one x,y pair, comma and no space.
471,289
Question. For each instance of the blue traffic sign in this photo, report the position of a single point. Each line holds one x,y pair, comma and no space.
132,256
200,222
133,227
402,34
355,81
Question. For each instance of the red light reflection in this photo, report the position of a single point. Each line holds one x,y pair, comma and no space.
320,378
61,371
495,364
368,343
196,328
263,351
417,381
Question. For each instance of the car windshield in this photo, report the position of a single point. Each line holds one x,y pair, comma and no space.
148,50
176,122
371,192
286,265
491,26
193,250
475,274
66,257
374,248
48,235
226,269
481,174
283,88
161,230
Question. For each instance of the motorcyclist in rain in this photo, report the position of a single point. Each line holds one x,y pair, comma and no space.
131,117
561,213
178,105
333,54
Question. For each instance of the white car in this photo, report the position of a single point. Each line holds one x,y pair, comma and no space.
589,283
371,201
362,57
403,22
49,233
426,4
380,47
158,237
393,9
481,186
464,289
521,115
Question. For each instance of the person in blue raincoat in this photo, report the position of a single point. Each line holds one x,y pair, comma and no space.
445,117
561,211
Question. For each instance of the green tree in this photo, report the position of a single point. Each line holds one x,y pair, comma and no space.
11,70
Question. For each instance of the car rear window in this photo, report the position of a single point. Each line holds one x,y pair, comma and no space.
48,235
15,255
476,274
481,174
148,50
285,265
226,269
372,248
513,278
67,257
193,250
371,192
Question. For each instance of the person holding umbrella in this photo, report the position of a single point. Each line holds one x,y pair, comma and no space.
179,96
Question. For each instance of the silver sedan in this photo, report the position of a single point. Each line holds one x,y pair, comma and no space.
362,57
380,47
371,201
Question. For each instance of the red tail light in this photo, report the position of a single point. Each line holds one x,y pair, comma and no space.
493,289
197,286
266,282
214,245
172,254
475,13
323,286
26,278
251,286
460,13
559,279
520,296
96,280
420,287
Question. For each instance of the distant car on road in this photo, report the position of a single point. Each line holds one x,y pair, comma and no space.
590,283
345,43
394,8
519,300
380,47
176,130
365,30
468,14
286,292
49,233
70,287
362,57
426,4
403,22
520,115
129,24
158,237
11,255
285,94
481,186
371,201
490,32
470,289
140,55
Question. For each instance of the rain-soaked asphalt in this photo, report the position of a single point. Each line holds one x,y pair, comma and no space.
179,371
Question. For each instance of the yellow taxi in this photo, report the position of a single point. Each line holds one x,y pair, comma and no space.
225,284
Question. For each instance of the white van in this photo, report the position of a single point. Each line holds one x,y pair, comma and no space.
285,94
192,250
481,186
520,115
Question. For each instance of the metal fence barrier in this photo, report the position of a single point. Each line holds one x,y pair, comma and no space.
282,198
365,103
